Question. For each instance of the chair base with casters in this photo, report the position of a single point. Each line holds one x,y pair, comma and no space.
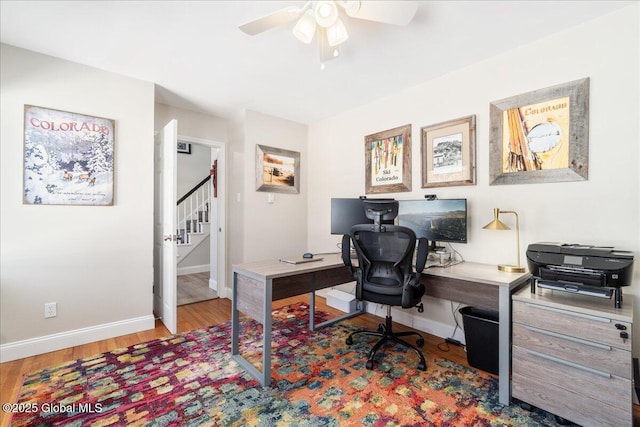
386,333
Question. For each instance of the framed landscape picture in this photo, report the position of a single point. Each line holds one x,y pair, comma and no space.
68,158
388,161
277,170
448,153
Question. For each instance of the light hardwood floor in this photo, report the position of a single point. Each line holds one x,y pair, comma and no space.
194,288
191,317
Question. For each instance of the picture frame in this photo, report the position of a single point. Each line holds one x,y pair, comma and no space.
68,158
388,161
277,170
184,147
541,136
449,153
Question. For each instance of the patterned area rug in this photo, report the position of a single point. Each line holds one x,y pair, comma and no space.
190,380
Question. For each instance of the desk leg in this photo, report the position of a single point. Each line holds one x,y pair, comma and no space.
504,346
312,310
267,334
235,323
263,377
312,314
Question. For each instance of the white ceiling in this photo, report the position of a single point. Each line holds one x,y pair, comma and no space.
199,59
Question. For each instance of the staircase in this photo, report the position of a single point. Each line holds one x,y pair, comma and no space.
193,215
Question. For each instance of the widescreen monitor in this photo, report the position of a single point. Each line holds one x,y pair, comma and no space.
438,220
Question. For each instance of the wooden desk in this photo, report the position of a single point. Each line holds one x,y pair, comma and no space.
256,285
484,286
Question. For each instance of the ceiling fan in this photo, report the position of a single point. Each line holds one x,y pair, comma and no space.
323,17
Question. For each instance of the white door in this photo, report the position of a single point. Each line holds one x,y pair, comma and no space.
165,289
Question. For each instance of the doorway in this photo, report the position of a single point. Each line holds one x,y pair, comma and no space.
166,232
198,211
194,287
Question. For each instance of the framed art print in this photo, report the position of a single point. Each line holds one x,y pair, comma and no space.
541,136
277,170
388,161
68,158
184,147
448,153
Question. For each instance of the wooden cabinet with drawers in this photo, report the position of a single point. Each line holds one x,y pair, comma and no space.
571,356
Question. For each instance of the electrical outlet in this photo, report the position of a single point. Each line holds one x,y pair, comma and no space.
50,309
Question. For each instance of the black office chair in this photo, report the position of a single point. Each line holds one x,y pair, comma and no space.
384,273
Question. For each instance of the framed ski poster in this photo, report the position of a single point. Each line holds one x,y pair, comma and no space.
68,158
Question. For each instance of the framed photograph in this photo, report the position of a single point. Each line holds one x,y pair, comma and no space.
184,147
388,161
277,170
449,153
68,158
541,136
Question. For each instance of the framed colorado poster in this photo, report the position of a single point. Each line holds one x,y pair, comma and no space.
541,136
387,157
68,158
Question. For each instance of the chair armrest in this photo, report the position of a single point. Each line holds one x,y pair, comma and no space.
423,252
346,249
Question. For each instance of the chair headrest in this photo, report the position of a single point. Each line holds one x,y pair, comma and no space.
381,210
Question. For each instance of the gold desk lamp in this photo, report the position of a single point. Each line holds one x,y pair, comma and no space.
496,224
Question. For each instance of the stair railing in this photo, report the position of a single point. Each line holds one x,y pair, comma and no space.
193,209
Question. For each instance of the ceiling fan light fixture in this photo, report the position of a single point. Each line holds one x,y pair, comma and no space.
305,28
326,13
351,7
337,33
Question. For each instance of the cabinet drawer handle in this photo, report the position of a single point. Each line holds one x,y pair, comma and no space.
570,313
568,338
571,364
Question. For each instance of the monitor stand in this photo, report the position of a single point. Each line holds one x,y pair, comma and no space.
437,249
433,247
439,255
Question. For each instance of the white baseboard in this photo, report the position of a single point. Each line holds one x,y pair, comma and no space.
224,292
59,341
192,269
213,284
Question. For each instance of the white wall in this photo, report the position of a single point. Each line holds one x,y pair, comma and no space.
191,123
82,257
261,230
604,210
192,168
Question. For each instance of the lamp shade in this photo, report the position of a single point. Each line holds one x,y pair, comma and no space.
305,28
496,224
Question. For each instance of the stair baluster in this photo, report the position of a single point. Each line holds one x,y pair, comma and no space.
193,211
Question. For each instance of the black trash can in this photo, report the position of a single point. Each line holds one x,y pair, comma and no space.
481,335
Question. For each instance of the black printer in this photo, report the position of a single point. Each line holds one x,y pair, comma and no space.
590,270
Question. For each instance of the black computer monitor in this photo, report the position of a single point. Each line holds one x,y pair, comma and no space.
345,213
438,220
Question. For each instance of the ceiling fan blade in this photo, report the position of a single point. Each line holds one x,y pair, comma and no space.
386,12
272,20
